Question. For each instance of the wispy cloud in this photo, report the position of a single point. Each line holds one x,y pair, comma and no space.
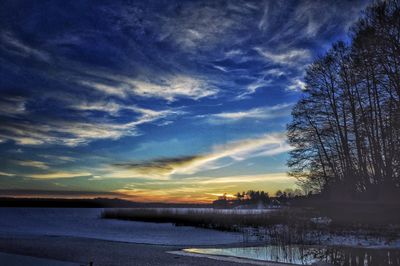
268,112
66,132
297,85
305,19
113,90
6,174
288,57
114,108
58,158
158,168
201,25
58,175
172,88
12,105
253,87
266,145
48,130
34,164
13,45
106,106
168,87
275,72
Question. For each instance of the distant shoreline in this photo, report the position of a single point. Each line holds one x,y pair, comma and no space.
89,203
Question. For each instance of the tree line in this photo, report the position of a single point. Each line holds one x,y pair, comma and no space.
254,197
346,127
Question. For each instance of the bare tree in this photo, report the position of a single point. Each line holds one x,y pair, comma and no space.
346,127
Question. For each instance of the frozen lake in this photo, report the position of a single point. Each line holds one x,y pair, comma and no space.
86,222
18,260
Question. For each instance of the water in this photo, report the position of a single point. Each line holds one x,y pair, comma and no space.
309,255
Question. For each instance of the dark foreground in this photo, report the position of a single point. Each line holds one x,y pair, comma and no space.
100,252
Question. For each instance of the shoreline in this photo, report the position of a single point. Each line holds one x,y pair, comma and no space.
100,252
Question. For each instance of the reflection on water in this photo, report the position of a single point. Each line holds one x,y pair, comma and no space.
308,255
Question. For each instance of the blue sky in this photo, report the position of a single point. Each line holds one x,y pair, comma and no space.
155,100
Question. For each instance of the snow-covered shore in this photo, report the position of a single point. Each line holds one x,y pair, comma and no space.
360,238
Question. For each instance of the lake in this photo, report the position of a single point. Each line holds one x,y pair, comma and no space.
86,222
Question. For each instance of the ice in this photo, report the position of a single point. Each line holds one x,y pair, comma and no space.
83,222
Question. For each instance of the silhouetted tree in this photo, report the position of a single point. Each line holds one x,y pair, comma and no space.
253,197
346,127
278,193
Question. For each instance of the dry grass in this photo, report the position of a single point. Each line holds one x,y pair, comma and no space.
213,219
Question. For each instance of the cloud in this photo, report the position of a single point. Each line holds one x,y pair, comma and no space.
105,88
168,87
277,177
67,133
266,145
234,53
107,107
12,105
306,19
172,88
34,164
58,158
276,72
6,174
158,168
13,45
57,175
253,87
289,57
269,112
221,68
49,130
297,85
113,108
202,26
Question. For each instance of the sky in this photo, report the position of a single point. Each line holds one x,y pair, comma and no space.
172,101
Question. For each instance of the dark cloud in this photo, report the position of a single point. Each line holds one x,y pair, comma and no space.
157,167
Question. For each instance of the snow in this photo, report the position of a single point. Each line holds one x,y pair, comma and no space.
87,223
321,220
360,238
18,260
